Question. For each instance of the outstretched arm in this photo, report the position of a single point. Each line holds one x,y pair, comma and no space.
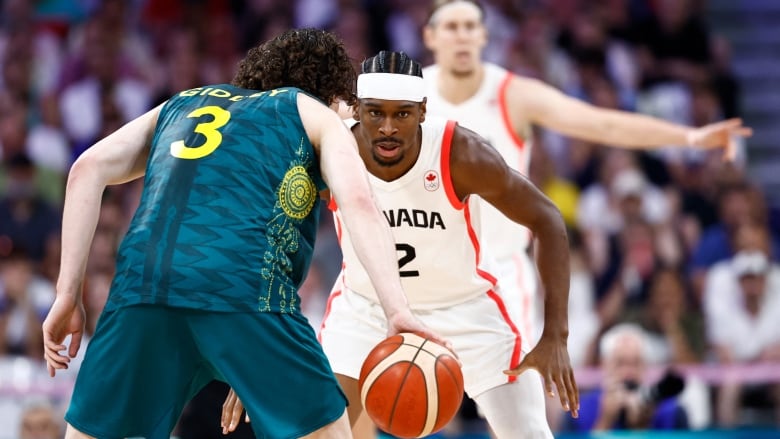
548,107
478,169
118,158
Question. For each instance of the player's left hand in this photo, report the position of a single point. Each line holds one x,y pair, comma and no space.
232,409
551,359
405,321
66,317
720,135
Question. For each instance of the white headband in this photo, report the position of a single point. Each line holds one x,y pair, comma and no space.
390,87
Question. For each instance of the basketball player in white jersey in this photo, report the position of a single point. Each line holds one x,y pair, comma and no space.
502,106
428,178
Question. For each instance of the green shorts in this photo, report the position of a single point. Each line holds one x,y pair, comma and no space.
145,362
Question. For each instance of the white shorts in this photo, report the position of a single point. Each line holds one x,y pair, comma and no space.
480,330
519,287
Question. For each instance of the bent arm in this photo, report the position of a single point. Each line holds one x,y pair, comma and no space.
346,175
477,169
118,158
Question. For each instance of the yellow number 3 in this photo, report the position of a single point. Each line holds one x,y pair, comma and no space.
208,129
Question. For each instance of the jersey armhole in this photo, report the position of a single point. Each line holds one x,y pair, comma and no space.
504,109
446,148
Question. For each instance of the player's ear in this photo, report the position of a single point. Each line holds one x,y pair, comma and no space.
484,39
423,109
428,36
356,111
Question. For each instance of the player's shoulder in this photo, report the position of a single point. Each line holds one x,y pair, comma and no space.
494,69
434,121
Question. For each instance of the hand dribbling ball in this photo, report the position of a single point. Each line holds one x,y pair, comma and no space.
410,386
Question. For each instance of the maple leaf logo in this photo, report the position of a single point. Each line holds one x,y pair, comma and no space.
431,181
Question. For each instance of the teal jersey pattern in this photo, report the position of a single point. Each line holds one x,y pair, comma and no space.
229,210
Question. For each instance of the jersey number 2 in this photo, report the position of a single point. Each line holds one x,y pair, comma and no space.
408,256
209,130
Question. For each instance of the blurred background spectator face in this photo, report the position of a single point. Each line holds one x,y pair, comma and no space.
751,268
623,355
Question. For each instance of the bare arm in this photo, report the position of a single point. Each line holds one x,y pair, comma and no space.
347,179
118,158
478,169
546,106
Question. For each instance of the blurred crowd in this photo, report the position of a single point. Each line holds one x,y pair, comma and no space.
675,248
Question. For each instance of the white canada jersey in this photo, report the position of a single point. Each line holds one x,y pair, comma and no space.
486,114
436,243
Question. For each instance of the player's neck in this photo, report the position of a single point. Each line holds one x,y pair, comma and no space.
457,88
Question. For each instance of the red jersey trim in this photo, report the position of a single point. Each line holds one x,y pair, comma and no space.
504,109
475,243
516,350
327,313
446,147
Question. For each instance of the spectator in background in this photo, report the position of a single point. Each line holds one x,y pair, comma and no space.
674,44
26,219
40,420
674,334
738,203
619,404
182,58
25,299
105,95
562,192
45,146
742,305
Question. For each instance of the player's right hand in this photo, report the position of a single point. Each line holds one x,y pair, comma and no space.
232,409
551,359
66,317
405,321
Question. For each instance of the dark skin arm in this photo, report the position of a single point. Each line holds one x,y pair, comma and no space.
478,169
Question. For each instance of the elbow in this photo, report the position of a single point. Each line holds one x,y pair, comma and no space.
552,224
84,168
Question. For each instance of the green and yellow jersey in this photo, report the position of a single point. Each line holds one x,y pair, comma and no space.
228,214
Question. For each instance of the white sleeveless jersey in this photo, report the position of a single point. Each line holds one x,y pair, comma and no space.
486,114
437,247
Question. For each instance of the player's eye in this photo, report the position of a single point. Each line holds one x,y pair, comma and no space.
374,113
403,114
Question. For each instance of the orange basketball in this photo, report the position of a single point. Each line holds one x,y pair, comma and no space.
410,386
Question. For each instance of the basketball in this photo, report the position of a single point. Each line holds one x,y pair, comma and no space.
410,386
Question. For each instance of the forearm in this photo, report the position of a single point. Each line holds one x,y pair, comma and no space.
553,264
374,245
639,131
79,220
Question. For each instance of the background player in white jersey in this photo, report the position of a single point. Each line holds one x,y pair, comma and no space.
502,107
427,176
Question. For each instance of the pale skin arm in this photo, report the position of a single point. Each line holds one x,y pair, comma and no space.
373,242
478,169
544,105
116,159
347,179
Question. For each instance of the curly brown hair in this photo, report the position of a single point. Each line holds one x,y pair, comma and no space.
310,59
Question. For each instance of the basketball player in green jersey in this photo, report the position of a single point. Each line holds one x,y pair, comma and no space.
207,276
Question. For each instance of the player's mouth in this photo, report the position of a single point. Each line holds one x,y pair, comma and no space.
387,147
